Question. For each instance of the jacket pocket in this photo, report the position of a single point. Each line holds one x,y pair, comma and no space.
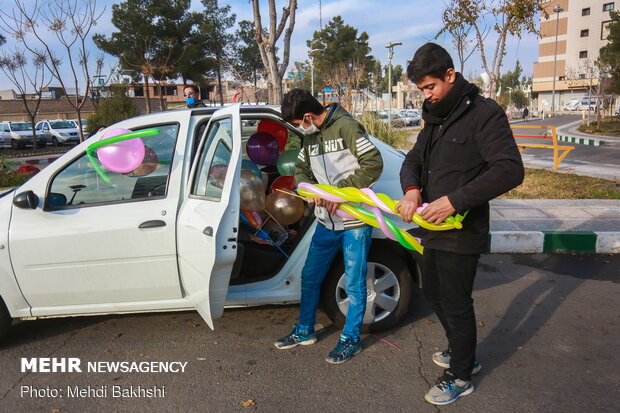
454,150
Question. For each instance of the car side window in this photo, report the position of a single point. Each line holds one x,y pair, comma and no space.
213,161
79,184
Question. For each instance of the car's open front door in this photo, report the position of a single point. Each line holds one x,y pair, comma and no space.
208,220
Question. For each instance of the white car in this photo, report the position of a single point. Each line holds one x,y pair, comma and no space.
74,122
60,131
19,134
167,236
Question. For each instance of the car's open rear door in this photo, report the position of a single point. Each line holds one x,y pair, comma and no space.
208,220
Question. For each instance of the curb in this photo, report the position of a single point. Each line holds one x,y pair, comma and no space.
581,140
554,241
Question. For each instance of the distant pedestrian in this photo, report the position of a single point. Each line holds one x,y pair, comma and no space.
192,96
526,113
464,157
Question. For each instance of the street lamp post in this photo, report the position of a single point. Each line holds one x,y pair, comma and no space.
390,48
311,55
557,11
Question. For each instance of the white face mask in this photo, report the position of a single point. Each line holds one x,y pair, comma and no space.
310,130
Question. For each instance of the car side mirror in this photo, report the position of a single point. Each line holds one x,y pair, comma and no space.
26,200
56,200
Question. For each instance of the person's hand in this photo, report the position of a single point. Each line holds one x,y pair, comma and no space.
437,211
408,204
331,207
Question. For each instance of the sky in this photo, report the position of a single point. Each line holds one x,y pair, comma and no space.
412,22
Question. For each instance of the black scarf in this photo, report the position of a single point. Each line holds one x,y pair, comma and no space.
437,113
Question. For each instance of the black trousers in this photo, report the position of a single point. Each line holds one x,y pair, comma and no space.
447,282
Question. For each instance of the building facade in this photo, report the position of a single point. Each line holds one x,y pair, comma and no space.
581,32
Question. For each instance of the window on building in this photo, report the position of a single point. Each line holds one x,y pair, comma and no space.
605,29
582,75
583,54
585,33
585,12
608,7
562,78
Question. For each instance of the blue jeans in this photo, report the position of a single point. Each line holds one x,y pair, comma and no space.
325,244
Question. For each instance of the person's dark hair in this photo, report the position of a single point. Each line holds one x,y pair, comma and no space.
297,102
193,88
429,60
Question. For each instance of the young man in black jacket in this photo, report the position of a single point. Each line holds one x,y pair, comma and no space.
464,157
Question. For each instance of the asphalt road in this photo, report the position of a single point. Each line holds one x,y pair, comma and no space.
608,153
548,342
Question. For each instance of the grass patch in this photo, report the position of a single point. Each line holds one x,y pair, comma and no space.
543,184
608,126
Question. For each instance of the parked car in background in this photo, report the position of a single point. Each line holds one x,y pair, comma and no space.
587,104
169,235
397,120
59,131
411,116
572,105
19,134
74,122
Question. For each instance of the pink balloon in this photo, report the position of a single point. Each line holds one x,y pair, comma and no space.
121,157
421,208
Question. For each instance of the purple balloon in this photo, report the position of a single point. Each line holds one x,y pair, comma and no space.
121,157
263,148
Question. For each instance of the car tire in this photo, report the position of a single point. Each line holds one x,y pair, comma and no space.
54,141
14,144
5,320
42,144
392,288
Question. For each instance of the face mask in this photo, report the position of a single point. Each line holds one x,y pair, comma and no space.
190,101
309,131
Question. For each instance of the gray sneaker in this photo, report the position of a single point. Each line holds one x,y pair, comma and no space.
447,389
442,359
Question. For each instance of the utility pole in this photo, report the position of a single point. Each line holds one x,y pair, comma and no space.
557,11
390,48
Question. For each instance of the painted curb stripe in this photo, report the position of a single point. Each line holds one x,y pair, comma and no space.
532,242
581,141
556,241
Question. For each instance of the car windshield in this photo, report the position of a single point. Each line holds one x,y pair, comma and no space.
21,126
61,125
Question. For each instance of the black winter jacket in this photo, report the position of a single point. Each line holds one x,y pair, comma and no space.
472,158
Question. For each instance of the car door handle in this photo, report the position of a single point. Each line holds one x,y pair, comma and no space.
208,231
152,224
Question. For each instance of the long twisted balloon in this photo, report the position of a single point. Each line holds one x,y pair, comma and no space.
379,200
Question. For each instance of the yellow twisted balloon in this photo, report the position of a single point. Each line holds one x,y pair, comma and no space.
383,202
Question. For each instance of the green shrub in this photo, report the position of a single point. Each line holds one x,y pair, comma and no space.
111,110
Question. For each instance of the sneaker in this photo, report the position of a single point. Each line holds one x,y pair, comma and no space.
447,389
442,359
295,338
345,349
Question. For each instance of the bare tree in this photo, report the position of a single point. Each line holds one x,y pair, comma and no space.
463,45
27,75
267,39
69,22
505,17
346,78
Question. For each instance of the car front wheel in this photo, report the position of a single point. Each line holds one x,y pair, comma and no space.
389,288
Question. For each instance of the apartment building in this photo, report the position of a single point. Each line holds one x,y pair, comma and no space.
581,32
